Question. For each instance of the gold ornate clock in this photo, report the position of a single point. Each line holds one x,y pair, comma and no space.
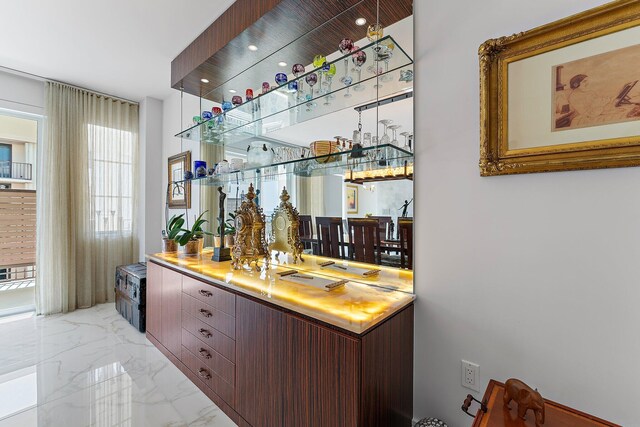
250,244
285,231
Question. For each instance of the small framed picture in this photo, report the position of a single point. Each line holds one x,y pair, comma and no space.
351,199
179,193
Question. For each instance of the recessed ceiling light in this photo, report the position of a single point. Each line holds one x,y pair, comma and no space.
361,21
282,64
204,80
232,90
252,47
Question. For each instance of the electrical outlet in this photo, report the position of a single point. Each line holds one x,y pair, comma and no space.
470,375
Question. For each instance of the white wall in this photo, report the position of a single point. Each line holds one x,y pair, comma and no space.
533,276
21,93
151,212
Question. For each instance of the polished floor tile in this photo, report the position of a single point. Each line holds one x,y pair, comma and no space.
91,368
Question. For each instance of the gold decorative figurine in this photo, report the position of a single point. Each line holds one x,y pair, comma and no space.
285,234
250,244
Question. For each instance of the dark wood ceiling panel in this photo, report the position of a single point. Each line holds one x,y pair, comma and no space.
284,22
240,15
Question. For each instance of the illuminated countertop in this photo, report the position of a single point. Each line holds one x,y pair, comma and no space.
355,307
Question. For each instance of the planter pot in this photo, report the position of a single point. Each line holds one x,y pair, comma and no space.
169,246
228,241
192,247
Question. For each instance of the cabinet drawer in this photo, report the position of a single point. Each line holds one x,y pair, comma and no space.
210,378
210,336
210,315
214,360
215,297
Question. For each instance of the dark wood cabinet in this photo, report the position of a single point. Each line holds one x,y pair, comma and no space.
172,311
265,366
154,300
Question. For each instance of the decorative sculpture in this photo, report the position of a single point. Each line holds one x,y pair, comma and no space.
221,253
250,244
526,398
285,231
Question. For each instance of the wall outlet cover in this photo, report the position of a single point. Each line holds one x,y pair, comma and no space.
471,375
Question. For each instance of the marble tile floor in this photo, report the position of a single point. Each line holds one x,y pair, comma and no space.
91,368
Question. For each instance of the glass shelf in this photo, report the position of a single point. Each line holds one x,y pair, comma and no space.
282,107
381,157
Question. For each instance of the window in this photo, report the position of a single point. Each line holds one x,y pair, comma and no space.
111,155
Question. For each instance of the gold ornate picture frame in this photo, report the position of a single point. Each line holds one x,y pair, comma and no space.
564,96
179,195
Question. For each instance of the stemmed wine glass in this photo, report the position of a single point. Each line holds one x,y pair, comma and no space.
385,138
406,145
359,58
386,54
311,79
298,69
394,128
346,47
318,63
330,73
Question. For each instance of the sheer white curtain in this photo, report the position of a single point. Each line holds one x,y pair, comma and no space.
87,197
310,196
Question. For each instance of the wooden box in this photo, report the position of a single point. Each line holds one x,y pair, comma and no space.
557,415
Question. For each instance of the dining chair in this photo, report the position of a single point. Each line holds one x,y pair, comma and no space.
405,231
330,236
384,226
364,240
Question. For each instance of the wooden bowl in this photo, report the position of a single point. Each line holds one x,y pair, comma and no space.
323,148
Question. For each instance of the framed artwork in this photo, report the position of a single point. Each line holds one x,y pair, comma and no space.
351,199
564,96
179,193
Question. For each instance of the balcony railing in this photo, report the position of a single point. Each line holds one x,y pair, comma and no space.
14,170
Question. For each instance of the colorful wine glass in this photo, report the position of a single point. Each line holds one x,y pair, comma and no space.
330,74
281,78
359,58
236,100
249,94
226,106
311,79
265,87
347,80
375,32
319,61
297,70
217,112
206,115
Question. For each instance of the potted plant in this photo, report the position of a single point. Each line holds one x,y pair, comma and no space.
190,239
172,229
229,231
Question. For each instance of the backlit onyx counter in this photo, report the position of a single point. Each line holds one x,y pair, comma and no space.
270,352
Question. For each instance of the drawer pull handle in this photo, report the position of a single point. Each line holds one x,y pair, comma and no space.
205,313
205,333
202,373
204,353
205,293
